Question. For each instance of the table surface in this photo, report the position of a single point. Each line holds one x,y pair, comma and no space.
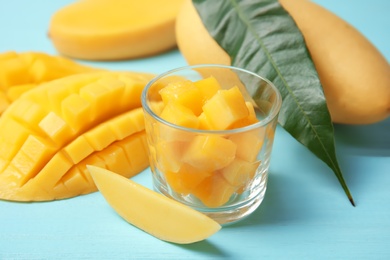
305,214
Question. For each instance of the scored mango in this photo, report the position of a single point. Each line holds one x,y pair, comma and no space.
20,72
50,134
210,166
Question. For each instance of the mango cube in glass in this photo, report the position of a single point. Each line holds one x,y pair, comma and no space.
210,130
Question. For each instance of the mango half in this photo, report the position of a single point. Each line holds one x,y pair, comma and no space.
50,134
22,71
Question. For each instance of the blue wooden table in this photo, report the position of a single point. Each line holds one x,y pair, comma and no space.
305,214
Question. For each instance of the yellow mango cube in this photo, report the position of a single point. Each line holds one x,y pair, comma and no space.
208,87
186,179
79,149
248,143
16,91
225,108
169,154
248,120
204,123
184,93
214,191
239,172
13,71
179,115
56,128
75,110
210,152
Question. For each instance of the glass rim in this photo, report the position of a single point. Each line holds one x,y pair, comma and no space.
265,121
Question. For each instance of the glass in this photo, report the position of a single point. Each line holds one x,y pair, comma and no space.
221,173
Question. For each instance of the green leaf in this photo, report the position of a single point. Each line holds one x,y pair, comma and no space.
260,36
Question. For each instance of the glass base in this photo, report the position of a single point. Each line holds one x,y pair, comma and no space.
235,210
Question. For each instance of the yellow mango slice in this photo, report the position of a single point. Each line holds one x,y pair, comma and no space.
46,145
209,152
225,108
152,212
21,72
112,30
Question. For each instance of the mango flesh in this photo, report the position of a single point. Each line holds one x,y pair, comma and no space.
154,213
20,72
49,134
211,167
355,76
114,30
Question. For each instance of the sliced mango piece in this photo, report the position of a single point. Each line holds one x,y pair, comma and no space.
21,72
214,191
152,212
208,87
210,152
240,172
170,155
225,108
248,143
186,179
183,93
45,147
107,30
179,115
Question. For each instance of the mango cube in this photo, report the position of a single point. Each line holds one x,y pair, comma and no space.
214,191
239,172
208,87
210,152
248,143
225,108
248,120
169,155
179,115
184,93
186,179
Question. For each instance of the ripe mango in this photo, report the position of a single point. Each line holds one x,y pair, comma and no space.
152,212
50,134
113,30
20,72
355,76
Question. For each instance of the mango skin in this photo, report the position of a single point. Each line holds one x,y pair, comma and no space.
355,76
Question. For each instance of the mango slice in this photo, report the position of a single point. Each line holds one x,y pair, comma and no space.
49,134
160,216
20,72
113,30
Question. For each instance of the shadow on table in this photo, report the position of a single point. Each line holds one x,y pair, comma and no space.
274,209
205,247
367,140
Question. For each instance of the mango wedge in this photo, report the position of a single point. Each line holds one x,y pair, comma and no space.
50,134
152,212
